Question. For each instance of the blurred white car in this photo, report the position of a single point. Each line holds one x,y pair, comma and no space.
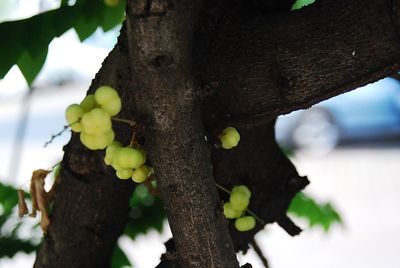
369,112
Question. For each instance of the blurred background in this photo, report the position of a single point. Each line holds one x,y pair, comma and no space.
348,146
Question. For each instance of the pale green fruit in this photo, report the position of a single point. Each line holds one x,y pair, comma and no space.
115,165
104,140
239,200
124,174
230,212
105,94
111,3
141,174
88,141
96,122
244,224
113,107
243,189
129,158
88,103
229,138
108,99
100,142
73,113
110,152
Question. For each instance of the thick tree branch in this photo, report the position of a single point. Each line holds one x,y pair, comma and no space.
262,64
91,205
167,100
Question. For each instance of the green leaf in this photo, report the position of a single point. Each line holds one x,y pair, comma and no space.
119,259
9,246
324,215
302,3
113,16
147,212
30,66
89,18
10,45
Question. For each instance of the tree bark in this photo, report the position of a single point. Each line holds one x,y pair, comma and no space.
250,65
160,45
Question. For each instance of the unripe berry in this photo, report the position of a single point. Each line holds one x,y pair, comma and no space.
108,99
243,189
230,212
244,224
73,113
124,174
96,122
111,3
229,138
141,174
88,103
129,158
239,200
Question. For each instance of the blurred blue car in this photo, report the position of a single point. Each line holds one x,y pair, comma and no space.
369,112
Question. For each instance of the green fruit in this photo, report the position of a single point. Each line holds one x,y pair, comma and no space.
108,99
111,3
104,140
88,141
229,138
243,189
73,114
112,148
141,174
230,212
129,158
124,174
239,200
88,103
94,142
105,94
96,122
244,224
113,107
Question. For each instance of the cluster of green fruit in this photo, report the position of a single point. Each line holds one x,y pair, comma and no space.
92,119
234,209
229,138
128,162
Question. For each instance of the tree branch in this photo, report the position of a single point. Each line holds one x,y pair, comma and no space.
263,65
160,42
91,205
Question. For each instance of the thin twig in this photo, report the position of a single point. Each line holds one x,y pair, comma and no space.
126,121
259,252
248,210
60,133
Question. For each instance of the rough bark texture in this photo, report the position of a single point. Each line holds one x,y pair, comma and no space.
249,62
160,47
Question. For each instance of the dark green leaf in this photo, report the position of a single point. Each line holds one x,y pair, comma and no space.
147,212
9,246
119,259
113,16
30,66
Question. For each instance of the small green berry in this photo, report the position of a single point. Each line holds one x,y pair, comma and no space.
244,224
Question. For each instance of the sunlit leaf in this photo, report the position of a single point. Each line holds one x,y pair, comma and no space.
324,215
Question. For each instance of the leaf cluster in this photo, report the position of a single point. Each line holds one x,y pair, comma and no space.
25,42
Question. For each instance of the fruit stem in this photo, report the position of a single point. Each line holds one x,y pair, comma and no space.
248,210
126,121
